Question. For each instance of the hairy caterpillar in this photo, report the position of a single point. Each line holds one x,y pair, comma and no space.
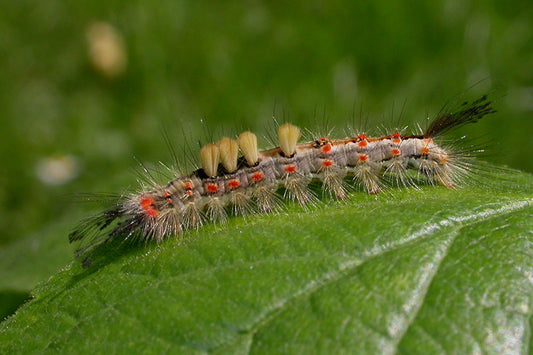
235,177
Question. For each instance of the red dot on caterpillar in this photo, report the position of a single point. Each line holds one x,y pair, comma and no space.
327,163
257,176
212,188
233,184
326,148
148,204
290,169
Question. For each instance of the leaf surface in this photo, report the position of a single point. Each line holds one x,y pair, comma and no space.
411,271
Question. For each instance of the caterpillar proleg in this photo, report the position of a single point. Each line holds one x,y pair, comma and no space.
230,182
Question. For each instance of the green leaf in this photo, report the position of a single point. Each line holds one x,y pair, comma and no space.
27,261
433,270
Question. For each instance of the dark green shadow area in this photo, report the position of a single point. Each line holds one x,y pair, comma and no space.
10,301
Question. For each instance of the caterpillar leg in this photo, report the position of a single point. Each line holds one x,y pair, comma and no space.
436,173
367,174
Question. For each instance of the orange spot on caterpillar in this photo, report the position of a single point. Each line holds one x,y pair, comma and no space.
233,184
189,192
424,150
148,205
361,137
396,141
168,197
363,143
257,176
326,148
396,135
396,151
327,163
147,202
188,186
290,169
363,157
212,188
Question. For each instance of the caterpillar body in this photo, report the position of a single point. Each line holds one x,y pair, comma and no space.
236,178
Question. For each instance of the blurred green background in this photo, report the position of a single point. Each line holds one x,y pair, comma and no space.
87,85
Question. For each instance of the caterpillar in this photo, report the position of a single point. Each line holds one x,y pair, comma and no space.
237,178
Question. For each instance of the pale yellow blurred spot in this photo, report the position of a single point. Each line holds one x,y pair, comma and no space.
107,51
57,170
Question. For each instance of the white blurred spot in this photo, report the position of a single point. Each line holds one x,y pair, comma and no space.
57,170
107,51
